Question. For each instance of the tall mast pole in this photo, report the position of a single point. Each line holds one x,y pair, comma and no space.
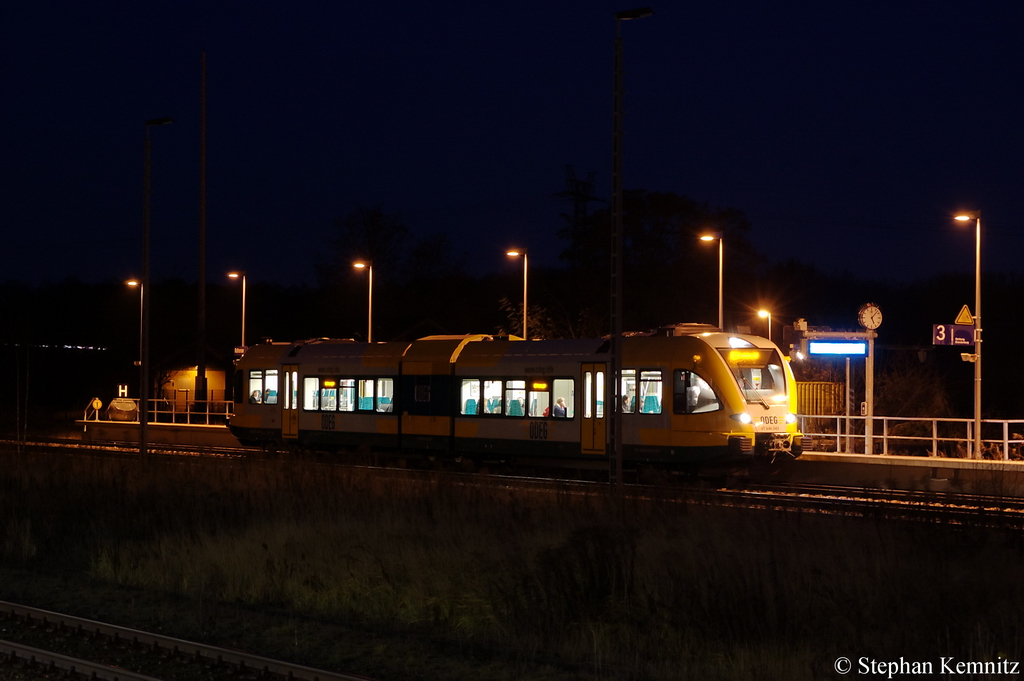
201,394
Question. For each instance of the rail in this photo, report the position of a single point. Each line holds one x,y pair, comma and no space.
233,658
72,667
194,412
943,437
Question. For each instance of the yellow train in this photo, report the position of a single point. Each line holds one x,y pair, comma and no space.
691,400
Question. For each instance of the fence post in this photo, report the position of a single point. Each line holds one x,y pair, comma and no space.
1006,438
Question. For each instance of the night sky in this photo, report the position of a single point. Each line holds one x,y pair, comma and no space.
847,132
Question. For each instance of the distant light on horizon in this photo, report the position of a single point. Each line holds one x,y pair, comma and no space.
56,346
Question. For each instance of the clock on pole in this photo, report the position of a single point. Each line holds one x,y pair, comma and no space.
870,316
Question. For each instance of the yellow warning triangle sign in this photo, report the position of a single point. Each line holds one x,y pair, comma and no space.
965,317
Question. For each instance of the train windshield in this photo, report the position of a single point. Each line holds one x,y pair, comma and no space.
759,372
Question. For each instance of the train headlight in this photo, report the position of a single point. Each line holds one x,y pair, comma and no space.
790,418
742,418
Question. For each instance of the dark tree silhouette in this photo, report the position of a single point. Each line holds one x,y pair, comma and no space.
367,233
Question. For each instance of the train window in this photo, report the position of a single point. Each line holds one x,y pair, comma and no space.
692,394
515,398
469,396
593,394
564,392
492,397
366,394
329,394
256,386
538,400
628,390
270,387
649,396
385,394
347,394
310,393
588,392
759,373
290,390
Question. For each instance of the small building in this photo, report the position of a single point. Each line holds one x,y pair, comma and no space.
177,388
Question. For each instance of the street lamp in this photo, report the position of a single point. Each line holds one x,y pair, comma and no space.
976,358
765,313
614,351
240,275
144,359
515,253
717,236
136,283
368,266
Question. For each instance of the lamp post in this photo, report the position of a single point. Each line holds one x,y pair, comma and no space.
240,275
765,313
144,359
976,358
717,236
515,253
614,351
136,283
368,266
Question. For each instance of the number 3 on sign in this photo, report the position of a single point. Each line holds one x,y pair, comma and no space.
940,335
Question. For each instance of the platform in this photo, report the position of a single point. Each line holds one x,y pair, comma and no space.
192,435
934,474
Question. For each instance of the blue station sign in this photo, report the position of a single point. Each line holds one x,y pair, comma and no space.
952,334
837,346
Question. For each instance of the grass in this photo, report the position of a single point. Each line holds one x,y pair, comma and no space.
641,590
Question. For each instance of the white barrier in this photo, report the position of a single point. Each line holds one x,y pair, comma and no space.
946,437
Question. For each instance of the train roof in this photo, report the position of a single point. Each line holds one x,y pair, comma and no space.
482,350
265,351
531,352
327,350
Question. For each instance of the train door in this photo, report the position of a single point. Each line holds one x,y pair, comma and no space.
592,425
290,403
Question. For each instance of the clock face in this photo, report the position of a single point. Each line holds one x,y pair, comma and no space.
870,317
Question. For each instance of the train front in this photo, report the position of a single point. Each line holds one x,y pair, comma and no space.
766,388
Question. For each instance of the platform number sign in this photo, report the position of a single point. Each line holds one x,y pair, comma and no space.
952,334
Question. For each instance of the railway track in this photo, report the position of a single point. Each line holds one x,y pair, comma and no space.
144,652
946,507
127,447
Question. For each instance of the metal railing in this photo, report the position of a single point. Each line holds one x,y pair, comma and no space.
892,435
195,412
